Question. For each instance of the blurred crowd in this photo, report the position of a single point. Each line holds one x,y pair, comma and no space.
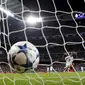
61,56
56,67
54,60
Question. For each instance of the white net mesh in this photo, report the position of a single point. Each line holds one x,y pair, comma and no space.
59,32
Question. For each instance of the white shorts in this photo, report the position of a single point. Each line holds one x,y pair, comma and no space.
68,64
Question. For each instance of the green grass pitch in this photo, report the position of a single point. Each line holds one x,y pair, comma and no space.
58,78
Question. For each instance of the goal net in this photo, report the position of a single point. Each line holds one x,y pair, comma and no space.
55,27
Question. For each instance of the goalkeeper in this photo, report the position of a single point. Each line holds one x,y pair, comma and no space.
69,65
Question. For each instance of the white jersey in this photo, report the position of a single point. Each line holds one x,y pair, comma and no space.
69,60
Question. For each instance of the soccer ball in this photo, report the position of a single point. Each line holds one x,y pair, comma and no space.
23,56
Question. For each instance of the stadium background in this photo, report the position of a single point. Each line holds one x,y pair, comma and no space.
35,36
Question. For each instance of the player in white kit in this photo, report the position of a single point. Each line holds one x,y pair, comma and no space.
69,61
